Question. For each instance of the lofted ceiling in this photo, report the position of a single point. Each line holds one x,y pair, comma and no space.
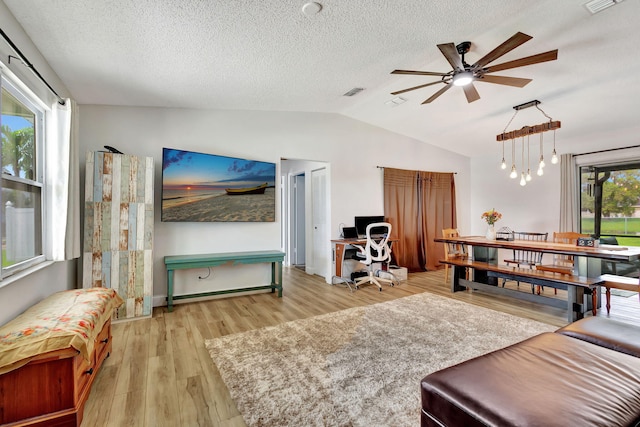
269,55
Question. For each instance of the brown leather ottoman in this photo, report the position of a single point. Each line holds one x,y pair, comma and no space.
607,333
548,380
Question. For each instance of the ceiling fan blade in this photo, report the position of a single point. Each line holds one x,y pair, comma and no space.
416,87
552,55
503,80
418,73
451,53
471,93
437,94
513,42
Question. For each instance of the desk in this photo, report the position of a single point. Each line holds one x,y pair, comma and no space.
181,262
585,266
340,247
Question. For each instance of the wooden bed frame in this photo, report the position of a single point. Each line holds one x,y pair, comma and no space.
52,388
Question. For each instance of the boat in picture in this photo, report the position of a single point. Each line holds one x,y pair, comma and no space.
248,190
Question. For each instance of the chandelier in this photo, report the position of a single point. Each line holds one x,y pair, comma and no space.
526,132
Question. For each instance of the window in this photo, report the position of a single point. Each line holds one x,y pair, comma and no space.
21,199
610,208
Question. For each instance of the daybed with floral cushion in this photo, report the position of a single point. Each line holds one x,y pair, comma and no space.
50,354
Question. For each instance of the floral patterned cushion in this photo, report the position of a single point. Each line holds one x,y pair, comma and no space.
65,319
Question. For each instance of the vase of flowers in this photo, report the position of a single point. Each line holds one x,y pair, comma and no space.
491,217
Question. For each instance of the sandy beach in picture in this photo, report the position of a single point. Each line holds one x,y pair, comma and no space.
240,208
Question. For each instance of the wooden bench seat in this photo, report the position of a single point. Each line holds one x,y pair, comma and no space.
561,268
619,282
588,282
567,282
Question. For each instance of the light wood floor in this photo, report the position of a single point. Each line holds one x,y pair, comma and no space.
160,373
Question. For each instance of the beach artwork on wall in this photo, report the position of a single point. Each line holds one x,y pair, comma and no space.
199,187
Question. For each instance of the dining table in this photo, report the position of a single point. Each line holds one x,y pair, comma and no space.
487,270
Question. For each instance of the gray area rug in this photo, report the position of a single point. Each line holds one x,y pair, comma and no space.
357,367
622,293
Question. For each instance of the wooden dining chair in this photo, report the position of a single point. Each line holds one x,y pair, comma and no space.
527,258
453,250
562,264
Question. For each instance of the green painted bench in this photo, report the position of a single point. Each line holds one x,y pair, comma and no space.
183,262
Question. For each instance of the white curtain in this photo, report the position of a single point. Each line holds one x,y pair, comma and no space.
63,182
568,193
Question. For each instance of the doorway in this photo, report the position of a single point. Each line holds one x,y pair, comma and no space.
298,252
306,216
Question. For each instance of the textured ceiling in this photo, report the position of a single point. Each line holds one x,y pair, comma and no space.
268,55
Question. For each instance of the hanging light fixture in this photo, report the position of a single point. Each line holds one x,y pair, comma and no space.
541,164
528,131
503,165
528,159
514,172
554,156
523,180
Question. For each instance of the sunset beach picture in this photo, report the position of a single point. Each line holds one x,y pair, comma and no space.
199,187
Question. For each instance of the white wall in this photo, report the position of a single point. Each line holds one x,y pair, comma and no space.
353,149
534,207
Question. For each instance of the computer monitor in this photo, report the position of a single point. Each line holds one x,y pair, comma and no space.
361,223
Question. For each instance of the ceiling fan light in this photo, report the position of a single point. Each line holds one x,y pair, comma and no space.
463,78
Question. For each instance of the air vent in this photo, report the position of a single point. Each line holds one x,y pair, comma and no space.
596,6
354,91
396,101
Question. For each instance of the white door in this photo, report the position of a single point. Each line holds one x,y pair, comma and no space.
319,235
299,218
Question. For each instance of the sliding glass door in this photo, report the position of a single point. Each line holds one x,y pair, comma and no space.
610,208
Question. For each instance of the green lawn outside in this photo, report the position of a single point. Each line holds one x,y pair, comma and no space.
617,226
5,263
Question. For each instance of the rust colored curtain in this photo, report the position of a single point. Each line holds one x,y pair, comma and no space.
418,205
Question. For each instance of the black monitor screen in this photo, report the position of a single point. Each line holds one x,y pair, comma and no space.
361,223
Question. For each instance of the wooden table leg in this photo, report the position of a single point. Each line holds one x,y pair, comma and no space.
575,299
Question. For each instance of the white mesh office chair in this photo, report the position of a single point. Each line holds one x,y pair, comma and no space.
376,250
